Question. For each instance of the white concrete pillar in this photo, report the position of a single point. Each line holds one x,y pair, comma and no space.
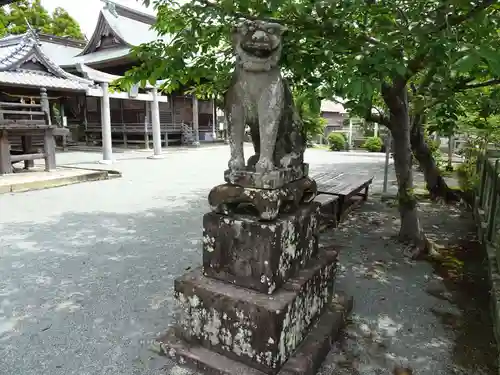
226,132
196,130
107,145
155,116
375,129
450,151
387,142
349,136
214,119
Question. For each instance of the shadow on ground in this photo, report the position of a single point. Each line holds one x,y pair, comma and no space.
88,293
433,319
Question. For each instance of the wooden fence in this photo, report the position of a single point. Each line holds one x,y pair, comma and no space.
487,202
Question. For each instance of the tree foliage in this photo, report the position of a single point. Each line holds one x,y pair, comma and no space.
391,61
480,117
65,25
13,20
347,48
309,110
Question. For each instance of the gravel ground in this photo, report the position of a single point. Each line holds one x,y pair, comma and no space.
87,270
431,318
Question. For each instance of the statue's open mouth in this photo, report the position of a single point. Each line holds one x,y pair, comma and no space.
260,50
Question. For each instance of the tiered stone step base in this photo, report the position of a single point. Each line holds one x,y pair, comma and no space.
305,360
227,329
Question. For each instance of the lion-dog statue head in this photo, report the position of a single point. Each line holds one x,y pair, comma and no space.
258,44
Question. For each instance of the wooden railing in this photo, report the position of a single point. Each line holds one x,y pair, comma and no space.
130,131
134,127
487,200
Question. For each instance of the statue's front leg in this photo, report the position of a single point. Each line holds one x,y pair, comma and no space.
270,109
236,123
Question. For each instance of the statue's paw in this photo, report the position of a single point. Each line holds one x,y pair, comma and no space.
264,165
236,164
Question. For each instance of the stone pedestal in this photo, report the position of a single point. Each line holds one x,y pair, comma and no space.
262,302
251,327
259,255
270,180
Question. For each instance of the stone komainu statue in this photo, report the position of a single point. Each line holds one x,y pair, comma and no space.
260,98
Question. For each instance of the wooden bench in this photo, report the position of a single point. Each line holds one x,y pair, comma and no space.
329,210
26,132
351,191
126,130
348,191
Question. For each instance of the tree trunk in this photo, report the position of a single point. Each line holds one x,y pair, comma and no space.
400,127
410,225
435,183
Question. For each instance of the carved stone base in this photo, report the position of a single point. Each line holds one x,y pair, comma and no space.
260,331
270,180
305,361
259,255
267,204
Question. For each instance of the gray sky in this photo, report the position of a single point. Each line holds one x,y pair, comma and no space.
87,11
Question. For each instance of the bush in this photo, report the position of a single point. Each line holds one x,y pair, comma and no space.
373,144
336,141
467,177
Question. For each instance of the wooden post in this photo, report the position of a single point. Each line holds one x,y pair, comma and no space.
107,142
85,120
27,145
146,126
49,149
5,163
64,125
44,101
493,201
482,184
196,130
124,128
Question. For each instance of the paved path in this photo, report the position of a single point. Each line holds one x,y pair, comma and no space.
87,270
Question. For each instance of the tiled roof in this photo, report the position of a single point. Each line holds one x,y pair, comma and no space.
13,49
33,78
16,50
331,106
132,31
58,53
131,28
99,56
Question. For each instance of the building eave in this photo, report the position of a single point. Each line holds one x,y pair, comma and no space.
28,49
102,77
102,23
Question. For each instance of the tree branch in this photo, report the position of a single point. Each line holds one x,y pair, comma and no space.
378,118
235,14
419,61
491,82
